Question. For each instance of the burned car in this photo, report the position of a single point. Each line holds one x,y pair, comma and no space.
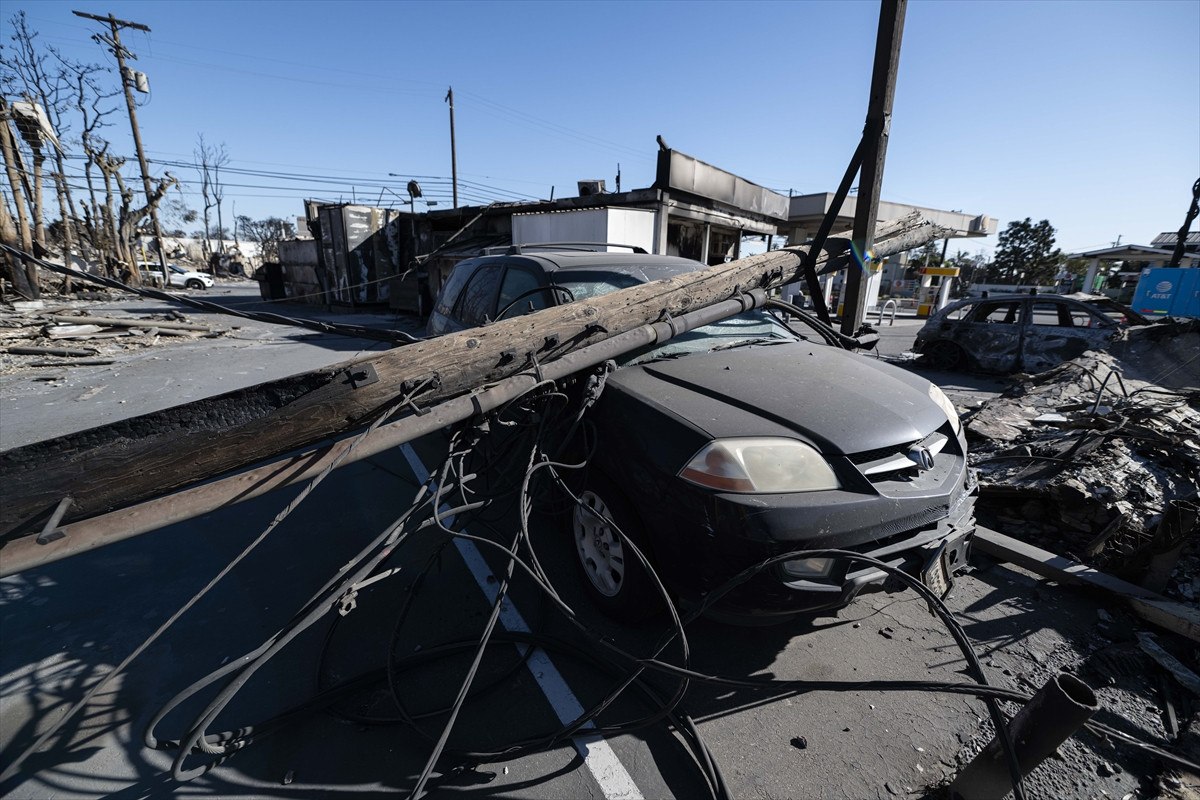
1030,333
739,441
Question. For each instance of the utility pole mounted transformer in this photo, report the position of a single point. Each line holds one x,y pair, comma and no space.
118,50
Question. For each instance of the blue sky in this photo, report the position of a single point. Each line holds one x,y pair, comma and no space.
1083,113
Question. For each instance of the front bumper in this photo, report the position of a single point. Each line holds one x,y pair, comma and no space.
775,594
709,538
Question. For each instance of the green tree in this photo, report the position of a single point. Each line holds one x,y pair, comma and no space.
1026,253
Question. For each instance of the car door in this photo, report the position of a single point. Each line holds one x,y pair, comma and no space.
990,334
1058,330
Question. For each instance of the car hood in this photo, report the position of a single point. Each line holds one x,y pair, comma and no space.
841,402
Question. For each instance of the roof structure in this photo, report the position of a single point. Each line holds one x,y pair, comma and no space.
1125,252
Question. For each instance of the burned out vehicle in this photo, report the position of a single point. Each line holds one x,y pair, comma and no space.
739,441
1008,333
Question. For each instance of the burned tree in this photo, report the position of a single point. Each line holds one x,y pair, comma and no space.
267,234
208,160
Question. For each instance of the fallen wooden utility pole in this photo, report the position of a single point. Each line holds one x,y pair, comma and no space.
58,542
129,461
1152,607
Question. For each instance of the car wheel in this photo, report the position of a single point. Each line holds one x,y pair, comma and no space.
944,355
613,574
194,283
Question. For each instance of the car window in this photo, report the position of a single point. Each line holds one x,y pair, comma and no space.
453,286
755,326
519,293
960,313
999,312
1052,315
1082,319
176,269
477,304
1114,312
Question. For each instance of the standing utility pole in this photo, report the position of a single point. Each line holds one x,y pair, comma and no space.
115,25
875,135
453,152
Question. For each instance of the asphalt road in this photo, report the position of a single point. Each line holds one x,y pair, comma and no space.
66,624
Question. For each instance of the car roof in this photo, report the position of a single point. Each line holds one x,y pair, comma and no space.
643,265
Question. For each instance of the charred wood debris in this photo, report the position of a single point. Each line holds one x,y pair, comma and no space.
38,335
1098,460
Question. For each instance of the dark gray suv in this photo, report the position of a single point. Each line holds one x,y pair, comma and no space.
740,441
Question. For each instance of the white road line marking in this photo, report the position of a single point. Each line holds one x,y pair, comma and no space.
614,780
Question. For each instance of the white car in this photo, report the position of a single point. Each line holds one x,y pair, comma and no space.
187,278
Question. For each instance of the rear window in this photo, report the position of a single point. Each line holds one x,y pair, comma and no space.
586,284
478,300
453,285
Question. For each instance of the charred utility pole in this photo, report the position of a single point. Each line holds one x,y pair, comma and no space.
118,50
453,152
875,136
8,147
1193,210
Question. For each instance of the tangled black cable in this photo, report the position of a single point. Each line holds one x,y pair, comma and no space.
355,331
479,483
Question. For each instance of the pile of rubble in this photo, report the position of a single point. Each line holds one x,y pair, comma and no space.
1099,459
36,335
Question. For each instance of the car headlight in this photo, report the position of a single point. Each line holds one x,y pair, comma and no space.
759,466
939,397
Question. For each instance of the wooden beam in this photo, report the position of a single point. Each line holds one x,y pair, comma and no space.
1154,608
135,459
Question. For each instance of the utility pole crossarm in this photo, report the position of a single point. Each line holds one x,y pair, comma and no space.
111,20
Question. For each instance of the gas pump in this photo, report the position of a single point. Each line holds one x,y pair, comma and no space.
933,294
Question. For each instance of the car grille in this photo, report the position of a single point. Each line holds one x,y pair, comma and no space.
891,465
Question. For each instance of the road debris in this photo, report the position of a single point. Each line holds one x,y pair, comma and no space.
1113,483
31,331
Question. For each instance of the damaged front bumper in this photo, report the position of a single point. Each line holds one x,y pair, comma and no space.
931,555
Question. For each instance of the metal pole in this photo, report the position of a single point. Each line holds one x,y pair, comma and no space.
875,135
120,52
1059,709
453,150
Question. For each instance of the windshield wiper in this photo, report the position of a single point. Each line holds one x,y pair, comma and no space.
667,356
749,342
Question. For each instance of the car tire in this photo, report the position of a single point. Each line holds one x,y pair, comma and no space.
613,575
944,355
194,283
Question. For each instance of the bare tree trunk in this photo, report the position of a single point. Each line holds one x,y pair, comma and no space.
66,212
12,264
36,204
8,145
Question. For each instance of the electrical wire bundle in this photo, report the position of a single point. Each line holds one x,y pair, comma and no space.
513,461
509,461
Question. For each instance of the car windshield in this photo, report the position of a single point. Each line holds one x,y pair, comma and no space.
175,269
747,329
